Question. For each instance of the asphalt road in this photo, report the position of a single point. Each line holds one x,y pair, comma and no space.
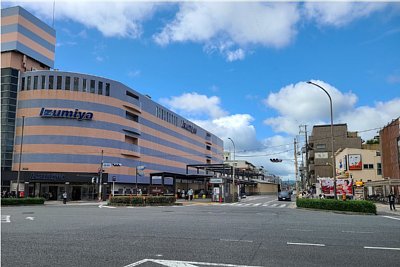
254,233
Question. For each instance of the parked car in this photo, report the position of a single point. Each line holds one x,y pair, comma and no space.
284,195
243,195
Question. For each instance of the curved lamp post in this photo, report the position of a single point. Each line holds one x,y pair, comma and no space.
233,172
333,152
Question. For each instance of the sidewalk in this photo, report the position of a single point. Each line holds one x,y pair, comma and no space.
195,201
384,209
75,203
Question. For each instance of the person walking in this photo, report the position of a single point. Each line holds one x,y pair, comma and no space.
64,195
392,200
190,194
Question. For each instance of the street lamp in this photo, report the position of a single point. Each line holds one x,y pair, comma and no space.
333,152
233,172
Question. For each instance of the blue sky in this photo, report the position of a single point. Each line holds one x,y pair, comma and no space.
239,69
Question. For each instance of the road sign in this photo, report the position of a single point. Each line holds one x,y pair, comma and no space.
140,170
114,178
216,181
107,165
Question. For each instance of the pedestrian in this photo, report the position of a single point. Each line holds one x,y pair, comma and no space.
190,194
183,193
64,197
392,199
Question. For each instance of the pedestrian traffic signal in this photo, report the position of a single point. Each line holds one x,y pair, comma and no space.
275,160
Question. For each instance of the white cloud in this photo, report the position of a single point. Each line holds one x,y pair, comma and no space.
238,127
224,25
339,13
195,105
303,103
238,54
119,18
366,117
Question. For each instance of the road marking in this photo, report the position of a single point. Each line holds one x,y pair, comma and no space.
283,205
266,203
393,218
30,218
105,206
174,263
383,248
248,204
257,204
300,230
236,240
356,232
274,205
5,218
306,244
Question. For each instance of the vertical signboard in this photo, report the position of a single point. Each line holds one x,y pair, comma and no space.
355,162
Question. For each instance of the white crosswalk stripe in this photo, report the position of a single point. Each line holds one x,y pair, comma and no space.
253,205
5,218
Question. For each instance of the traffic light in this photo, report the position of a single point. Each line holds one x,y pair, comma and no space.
275,160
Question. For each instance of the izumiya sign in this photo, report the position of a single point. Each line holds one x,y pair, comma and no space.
67,114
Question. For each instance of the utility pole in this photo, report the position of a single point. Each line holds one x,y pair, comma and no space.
101,176
295,163
306,178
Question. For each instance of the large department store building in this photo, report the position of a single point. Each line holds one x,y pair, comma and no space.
59,127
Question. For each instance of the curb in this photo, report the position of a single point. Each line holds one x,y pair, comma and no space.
339,211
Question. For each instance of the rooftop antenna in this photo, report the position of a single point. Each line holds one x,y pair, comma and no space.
54,7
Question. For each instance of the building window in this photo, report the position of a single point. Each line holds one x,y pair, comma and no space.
76,84
84,86
107,89
28,83
23,84
35,82
92,86
132,95
59,82
43,82
67,83
131,116
368,166
208,161
131,140
378,153
208,147
321,146
51,82
379,168
100,88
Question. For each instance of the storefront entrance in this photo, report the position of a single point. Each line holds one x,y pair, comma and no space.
76,193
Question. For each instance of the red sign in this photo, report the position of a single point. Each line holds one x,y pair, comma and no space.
342,186
355,162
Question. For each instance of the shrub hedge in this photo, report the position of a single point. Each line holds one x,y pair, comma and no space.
22,201
362,206
141,200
